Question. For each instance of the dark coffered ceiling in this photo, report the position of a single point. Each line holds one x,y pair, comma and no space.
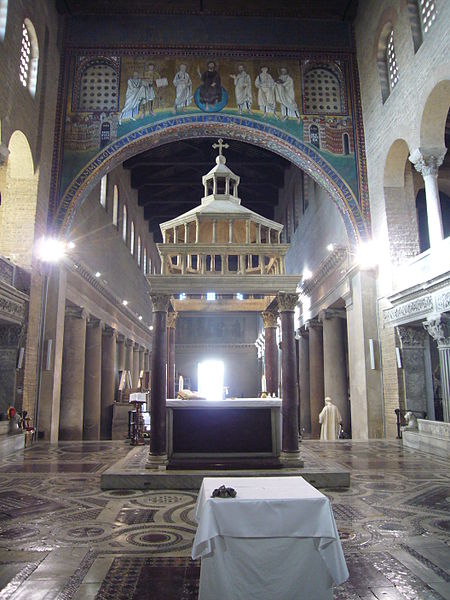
303,9
169,178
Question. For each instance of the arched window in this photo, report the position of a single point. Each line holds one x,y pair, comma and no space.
115,211
103,188
139,249
132,238
391,60
144,261
387,61
29,57
124,223
149,270
427,10
3,17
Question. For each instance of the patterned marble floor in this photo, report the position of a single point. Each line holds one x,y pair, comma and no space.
63,538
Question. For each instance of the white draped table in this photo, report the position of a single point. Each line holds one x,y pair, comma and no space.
276,540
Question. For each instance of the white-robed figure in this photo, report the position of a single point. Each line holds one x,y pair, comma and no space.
285,95
330,420
266,92
243,89
133,99
183,87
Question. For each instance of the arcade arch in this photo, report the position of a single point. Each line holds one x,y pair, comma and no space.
356,218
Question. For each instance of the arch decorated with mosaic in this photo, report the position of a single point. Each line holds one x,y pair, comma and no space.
166,99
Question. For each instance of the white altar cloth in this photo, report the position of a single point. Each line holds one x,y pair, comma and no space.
228,403
277,540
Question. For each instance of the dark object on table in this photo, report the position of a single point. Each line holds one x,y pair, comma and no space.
224,492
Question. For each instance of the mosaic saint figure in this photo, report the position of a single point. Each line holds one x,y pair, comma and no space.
285,95
133,99
330,420
266,92
211,88
149,89
183,87
242,89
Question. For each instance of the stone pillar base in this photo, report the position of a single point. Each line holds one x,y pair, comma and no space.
158,462
291,459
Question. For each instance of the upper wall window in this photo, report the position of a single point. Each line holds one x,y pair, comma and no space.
144,262
387,61
29,57
124,223
139,251
115,211
3,17
132,238
427,10
103,188
391,59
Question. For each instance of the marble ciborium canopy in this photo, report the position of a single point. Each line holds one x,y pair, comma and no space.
220,246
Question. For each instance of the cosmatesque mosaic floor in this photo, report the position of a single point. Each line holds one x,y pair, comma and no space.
63,538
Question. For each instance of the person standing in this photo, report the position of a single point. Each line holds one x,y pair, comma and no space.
183,86
242,90
285,95
330,420
266,92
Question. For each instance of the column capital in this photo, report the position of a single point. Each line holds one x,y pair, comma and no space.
160,302
120,338
313,324
172,319
302,332
427,160
270,318
76,312
333,313
411,336
287,301
110,331
93,322
136,347
129,343
439,329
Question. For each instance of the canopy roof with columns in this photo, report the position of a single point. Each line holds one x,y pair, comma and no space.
222,246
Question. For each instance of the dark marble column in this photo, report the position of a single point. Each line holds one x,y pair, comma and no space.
158,451
303,375
92,380
171,325
316,382
289,444
108,381
72,383
439,329
270,319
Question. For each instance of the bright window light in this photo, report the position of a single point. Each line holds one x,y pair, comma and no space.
239,296
182,296
367,255
51,250
306,274
210,379
211,296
